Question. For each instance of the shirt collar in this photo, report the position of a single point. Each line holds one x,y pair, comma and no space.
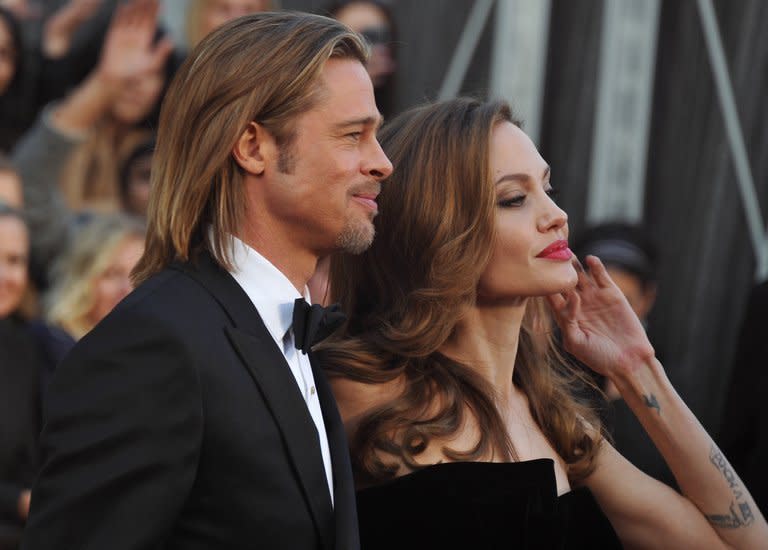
267,287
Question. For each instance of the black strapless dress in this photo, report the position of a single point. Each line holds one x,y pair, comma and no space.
481,505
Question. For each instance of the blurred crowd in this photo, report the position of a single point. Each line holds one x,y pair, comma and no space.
79,103
81,83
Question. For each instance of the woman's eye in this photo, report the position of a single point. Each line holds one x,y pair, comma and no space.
512,202
552,193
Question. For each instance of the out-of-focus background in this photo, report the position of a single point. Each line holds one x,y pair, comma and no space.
653,115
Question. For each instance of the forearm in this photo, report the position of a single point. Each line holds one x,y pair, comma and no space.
703,473
85,107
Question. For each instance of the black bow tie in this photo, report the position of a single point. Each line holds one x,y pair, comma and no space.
314,323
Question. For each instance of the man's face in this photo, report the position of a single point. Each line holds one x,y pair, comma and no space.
325,195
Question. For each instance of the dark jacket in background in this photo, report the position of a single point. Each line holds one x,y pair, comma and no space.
20,377
744,429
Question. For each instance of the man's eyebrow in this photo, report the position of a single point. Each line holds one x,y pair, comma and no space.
521,178
375,121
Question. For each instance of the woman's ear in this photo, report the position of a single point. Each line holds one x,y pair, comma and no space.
253,149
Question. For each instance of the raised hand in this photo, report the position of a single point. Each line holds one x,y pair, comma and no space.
61,26
22,9
129,51
598,325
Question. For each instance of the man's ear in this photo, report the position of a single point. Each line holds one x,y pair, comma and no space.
254,148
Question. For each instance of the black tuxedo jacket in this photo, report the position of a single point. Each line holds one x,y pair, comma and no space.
177,424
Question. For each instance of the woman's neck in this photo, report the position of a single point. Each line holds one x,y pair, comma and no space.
486,340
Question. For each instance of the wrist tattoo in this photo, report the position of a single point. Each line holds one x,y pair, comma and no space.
651,402
739,512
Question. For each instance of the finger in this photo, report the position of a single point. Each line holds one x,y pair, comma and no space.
120,16
556,302
151,10
573,304
584,280
137,14
598,271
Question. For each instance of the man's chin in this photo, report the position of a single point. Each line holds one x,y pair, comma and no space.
356,238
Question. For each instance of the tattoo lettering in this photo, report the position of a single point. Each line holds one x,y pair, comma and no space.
740,516
651,402
746,513
731,521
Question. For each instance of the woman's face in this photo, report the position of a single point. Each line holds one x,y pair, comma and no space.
530,256
138,97
14,250
7,57
217,12
114,283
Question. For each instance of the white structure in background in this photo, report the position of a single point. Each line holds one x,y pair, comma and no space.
518,66
757,231
625,89
465,49
519,62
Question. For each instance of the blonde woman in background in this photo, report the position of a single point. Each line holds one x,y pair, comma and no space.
94,276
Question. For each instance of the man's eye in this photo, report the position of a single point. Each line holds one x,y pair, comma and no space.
354,135
512,202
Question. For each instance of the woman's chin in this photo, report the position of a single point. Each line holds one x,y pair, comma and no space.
568,282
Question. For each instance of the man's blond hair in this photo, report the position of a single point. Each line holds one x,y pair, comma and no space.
263,67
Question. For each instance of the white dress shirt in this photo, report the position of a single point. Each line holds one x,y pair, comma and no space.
273,295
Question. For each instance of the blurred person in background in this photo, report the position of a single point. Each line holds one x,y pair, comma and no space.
204,16
135,172
14,108
459,407
94,275
70,160
11,192
21,379
744,425
631,258
60,28
373,19
19,382
111,106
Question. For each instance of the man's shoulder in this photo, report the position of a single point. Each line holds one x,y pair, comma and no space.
172,290
169,302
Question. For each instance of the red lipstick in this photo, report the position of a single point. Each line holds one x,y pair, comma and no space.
558,250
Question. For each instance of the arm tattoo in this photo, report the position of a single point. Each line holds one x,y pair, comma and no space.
739,513
652,402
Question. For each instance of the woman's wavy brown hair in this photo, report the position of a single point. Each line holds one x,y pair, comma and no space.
407,293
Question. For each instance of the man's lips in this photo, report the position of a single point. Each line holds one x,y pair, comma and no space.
558,250
367,199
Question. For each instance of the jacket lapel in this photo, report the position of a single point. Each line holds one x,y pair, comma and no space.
271,373
345,504
278,387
